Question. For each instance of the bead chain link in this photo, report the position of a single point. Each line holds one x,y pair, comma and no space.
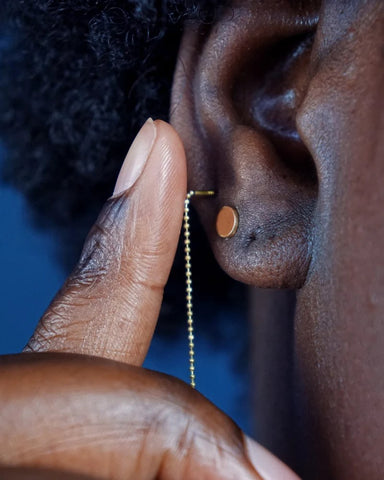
188,281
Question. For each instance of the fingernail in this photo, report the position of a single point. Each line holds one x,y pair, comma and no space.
267,465
136,158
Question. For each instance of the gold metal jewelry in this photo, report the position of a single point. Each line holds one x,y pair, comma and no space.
227,222
188,279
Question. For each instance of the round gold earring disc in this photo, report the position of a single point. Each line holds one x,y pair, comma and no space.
227,222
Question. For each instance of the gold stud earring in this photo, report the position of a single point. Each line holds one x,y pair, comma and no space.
188,279
227,222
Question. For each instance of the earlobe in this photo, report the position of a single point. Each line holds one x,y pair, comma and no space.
236,94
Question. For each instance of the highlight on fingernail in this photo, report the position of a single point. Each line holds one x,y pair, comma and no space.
137,156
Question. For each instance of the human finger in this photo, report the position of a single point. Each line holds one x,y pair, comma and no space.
110,303
100,418
16,473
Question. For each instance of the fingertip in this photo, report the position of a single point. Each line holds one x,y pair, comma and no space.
173,148
162,190
266,464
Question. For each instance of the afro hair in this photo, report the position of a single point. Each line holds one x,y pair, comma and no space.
78,78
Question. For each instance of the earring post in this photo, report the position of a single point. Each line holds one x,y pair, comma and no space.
201,193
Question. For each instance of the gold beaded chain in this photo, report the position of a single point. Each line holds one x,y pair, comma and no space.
188,279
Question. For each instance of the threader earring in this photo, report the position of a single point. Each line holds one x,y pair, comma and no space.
188,279
226,226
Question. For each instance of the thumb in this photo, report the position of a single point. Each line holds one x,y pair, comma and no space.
109,305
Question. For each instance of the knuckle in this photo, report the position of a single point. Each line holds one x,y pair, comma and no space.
98,252
140,269
187,437
101,255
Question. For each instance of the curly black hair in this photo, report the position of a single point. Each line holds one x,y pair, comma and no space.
77,80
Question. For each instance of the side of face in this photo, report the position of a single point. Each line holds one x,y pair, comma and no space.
280,107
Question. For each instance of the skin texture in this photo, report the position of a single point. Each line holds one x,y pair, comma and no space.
67,414
112,262
279,106
114,421
299,135
340,310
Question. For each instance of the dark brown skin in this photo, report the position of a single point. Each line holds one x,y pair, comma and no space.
67,414
110,420
280,108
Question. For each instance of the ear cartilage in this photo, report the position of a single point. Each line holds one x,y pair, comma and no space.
227,222
188,279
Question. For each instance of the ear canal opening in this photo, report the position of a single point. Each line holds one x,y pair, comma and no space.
267,93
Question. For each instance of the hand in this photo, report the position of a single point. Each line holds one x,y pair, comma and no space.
78,404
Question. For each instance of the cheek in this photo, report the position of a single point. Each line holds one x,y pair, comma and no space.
339,328
340,122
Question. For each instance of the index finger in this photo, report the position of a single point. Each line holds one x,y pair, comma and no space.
110,304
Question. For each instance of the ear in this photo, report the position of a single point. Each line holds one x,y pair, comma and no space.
237,91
